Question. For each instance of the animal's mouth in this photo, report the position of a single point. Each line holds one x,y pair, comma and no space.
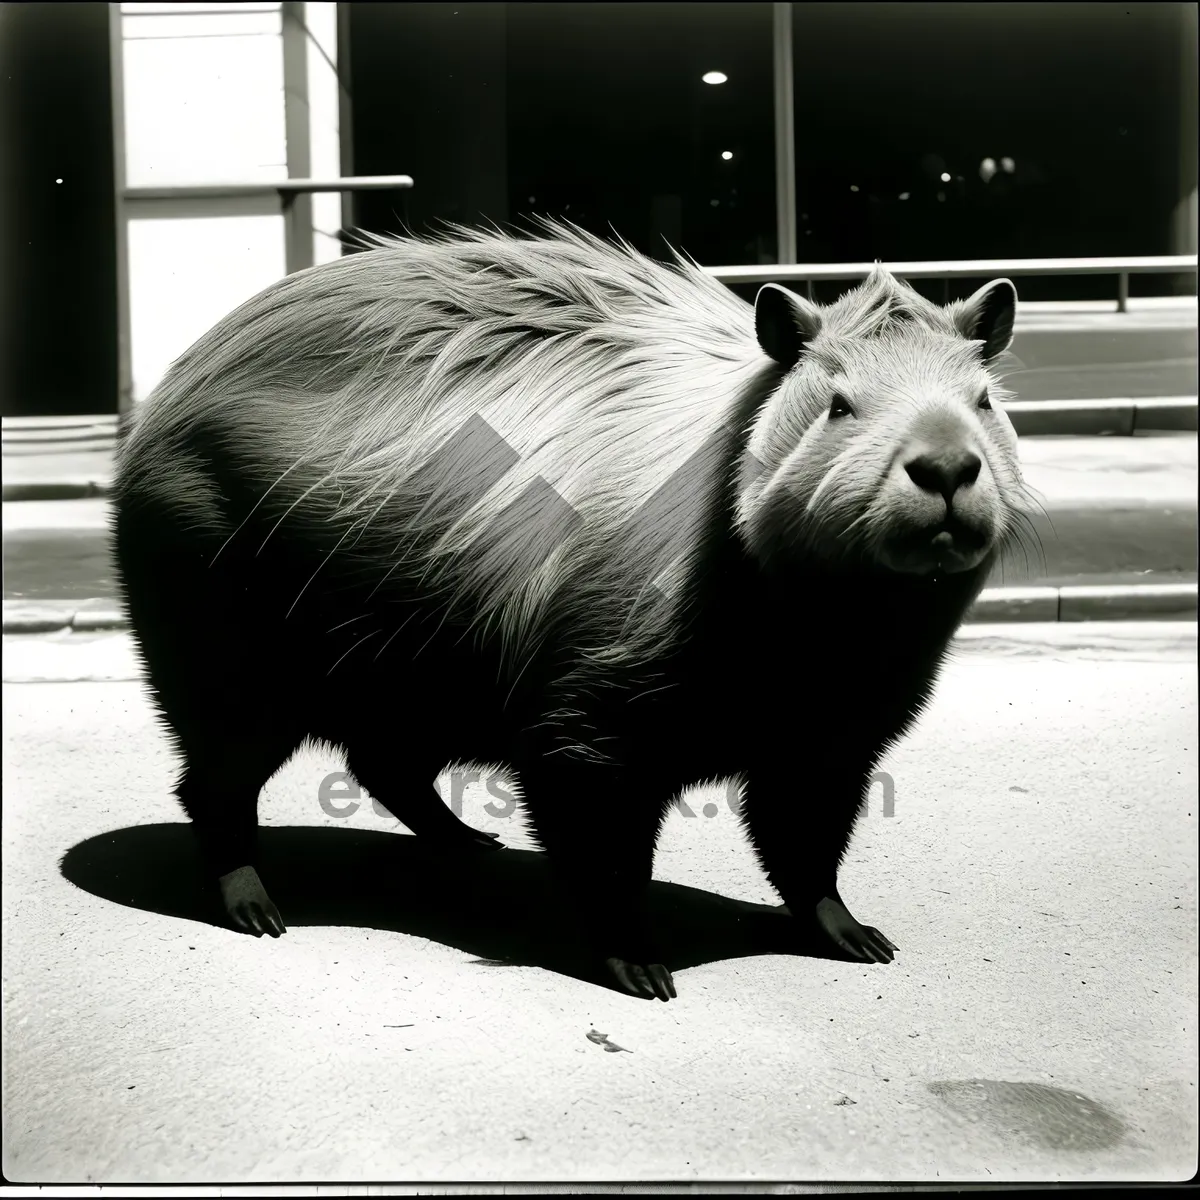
943,548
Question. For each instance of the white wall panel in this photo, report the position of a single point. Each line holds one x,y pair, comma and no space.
186,274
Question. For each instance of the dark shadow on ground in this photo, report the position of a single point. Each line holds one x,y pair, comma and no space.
498,906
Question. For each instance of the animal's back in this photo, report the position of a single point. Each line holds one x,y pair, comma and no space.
471,447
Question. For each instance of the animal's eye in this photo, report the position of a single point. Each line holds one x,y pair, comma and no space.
840,407
985,401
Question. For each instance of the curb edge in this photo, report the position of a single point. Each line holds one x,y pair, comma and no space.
994,606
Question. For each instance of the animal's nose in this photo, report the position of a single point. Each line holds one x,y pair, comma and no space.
944,471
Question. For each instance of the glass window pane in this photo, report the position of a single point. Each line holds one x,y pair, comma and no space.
1001,130
185,275
594,112
203,98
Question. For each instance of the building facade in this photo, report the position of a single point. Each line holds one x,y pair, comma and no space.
742,133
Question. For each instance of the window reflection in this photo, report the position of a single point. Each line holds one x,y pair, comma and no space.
963,130
599,113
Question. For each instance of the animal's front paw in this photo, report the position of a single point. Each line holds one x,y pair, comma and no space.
249,907
859,942
649,982
637,966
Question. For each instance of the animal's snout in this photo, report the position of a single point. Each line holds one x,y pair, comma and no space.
943,472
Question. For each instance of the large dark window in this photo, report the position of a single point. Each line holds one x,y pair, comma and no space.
598,113
990,130
922,130
58,264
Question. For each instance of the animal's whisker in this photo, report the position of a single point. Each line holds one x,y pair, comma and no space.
353,647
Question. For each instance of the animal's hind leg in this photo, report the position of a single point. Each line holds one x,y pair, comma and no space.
219,790
414,802
207,651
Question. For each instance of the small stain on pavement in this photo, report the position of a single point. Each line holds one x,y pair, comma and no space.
1050,1117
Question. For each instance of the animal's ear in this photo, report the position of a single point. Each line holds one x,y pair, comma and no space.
988,317
784,323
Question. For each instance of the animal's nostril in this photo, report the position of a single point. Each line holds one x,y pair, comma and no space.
944,472
968,469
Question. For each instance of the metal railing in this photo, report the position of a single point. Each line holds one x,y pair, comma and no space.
1122,268
285,189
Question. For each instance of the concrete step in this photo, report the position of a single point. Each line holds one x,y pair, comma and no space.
1073,356
1124,417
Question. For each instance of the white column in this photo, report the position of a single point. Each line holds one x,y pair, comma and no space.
199,92
325,148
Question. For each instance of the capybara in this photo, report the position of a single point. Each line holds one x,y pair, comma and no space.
544,501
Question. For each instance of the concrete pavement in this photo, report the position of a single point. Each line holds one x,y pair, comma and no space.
1039,874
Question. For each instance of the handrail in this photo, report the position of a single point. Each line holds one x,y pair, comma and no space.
1161,264
288,189
281,187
